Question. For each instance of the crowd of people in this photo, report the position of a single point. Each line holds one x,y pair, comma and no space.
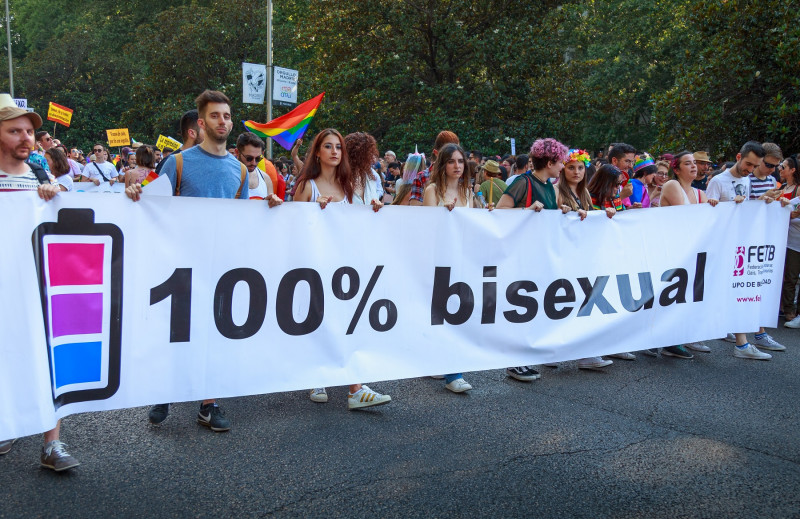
349,170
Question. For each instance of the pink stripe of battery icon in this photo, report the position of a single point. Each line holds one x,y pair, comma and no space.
75,263
77,314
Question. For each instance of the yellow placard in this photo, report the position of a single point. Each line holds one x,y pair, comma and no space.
167,143
118,137
59,114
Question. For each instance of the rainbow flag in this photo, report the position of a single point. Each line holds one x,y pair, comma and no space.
149,178
287,128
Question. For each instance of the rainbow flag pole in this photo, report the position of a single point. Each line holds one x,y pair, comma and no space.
286,129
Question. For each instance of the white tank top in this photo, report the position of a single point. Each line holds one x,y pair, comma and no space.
686,200
316,194
260,191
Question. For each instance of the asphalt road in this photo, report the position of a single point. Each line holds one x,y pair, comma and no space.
657,437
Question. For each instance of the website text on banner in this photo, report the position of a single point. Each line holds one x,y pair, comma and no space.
115,300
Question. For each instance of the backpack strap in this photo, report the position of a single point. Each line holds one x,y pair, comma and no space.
100,171
529,197
244,177
178,173
41,174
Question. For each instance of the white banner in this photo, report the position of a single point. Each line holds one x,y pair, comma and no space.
110,304
254,83
104,187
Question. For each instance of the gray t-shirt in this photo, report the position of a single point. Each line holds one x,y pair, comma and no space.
206,175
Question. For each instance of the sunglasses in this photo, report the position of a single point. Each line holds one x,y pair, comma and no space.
250,158
98,150
770,166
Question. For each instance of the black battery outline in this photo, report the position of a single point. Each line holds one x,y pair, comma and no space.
79,222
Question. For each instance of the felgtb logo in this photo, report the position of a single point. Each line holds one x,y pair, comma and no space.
738,266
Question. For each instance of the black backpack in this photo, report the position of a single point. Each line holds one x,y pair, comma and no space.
41,174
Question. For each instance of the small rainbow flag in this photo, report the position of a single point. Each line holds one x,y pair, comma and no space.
149,178
286,129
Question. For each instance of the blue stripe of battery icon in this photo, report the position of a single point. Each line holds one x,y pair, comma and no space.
78,362
75,267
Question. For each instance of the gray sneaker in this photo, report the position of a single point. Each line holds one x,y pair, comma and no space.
5,446
54,456
624,356
768,343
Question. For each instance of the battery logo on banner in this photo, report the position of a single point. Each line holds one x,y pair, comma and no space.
80,281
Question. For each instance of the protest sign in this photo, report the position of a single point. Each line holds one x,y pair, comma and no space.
167,143
118,137
59,114
121,304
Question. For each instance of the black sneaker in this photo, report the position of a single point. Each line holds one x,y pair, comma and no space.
212,417
523,373
158,413
676,351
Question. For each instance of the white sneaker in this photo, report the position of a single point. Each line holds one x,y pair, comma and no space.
794,323
731,337
594,363
750,352
459,385
318,395
623,356
365,397
698,346
768,343
437,377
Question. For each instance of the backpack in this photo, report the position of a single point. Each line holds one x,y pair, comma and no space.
41,174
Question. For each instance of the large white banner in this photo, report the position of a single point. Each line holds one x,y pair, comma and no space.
110,304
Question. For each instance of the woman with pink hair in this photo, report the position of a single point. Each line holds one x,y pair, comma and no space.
534,190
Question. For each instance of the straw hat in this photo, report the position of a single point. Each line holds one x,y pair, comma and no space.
9,110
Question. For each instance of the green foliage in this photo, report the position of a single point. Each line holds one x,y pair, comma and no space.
659,74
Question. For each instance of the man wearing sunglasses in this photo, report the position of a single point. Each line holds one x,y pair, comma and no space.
762,178
250,149
100,170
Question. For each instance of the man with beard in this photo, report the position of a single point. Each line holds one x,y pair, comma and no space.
16,174
206,170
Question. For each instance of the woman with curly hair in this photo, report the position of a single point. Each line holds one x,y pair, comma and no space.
659,179
326,179
362,150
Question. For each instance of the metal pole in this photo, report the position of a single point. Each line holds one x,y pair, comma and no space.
269,72
10,67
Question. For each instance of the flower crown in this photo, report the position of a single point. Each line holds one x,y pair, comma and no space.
580,155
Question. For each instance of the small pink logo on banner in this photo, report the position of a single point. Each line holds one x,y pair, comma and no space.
738,267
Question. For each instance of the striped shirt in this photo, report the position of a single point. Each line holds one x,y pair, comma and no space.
758,186
24,182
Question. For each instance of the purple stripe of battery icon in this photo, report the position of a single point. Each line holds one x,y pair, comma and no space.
76,314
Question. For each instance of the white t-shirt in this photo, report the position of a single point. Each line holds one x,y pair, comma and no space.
725,187
108,169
